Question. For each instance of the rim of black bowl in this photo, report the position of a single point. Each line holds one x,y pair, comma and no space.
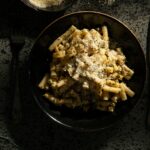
59,8
78,129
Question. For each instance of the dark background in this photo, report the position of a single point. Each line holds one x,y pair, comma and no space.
16,16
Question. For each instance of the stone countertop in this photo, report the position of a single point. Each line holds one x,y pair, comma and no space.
35,132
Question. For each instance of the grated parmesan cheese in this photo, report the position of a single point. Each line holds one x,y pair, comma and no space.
45,3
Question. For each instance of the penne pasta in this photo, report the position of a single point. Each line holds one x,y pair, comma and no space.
53,99
128,90
115,98
123,95
105,96
107,88
43,82
111,109
85,72
105,33
62,37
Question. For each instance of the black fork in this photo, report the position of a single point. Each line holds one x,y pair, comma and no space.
14,110
148,78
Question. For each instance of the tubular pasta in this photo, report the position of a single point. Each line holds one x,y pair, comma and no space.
85,72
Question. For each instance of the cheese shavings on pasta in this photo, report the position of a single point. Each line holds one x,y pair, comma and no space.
85,72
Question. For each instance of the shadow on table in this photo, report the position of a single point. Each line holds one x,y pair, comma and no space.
34,131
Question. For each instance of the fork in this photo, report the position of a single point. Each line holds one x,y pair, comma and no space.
14,112
148,79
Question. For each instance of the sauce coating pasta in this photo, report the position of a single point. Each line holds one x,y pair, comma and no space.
85,72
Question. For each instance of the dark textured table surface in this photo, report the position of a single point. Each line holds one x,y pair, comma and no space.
36,132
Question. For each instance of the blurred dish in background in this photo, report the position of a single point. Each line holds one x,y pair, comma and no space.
45,3
49,5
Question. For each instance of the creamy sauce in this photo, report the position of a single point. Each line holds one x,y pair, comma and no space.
85,72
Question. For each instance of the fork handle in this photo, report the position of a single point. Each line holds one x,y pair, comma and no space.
148,79
15,106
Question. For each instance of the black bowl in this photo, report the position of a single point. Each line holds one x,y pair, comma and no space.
61,7
40,59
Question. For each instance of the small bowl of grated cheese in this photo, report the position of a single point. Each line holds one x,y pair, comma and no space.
48,5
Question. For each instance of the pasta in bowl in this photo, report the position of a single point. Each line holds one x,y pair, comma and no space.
83,71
